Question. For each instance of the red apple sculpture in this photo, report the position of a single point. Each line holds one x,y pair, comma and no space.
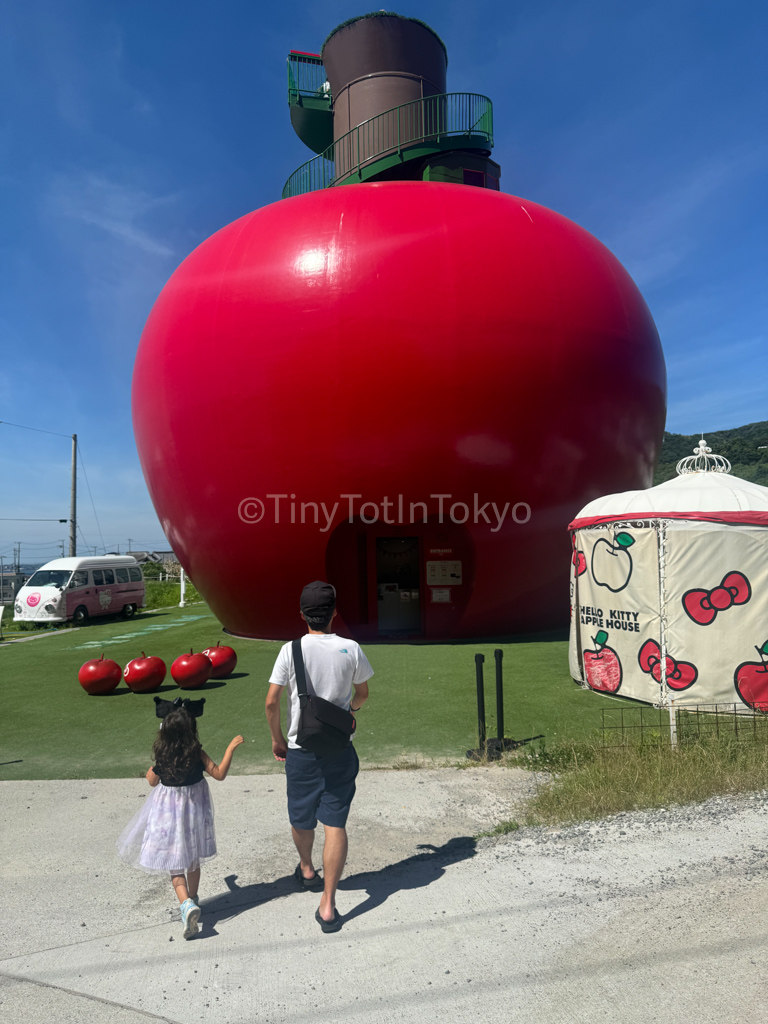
191,671
510,285
223,660
602,666
612,562
100,676
751,680
143,675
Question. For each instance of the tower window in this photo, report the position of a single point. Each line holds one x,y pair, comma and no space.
474,178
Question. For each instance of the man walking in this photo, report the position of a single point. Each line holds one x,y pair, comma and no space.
319,788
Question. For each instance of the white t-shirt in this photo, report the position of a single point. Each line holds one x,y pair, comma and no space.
333,666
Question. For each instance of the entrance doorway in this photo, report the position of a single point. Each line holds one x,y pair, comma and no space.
397,585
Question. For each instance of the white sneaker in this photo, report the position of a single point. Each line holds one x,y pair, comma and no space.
190,915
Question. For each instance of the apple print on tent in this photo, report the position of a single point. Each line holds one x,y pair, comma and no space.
612,562
751,680
579,560
703,605
602,666
680,674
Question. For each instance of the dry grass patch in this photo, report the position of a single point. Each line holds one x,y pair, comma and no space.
588,782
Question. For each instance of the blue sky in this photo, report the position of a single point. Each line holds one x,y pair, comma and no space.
133,130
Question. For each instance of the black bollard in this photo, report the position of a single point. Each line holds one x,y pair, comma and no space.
498,655
479,659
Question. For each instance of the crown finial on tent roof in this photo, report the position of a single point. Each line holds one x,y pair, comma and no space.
703,461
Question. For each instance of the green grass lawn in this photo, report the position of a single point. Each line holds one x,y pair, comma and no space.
422,701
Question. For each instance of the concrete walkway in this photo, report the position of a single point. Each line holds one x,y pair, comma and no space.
648,917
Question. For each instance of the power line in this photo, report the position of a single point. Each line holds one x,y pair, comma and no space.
39,544
39,430
82,463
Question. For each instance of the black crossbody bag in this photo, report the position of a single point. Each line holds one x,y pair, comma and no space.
324,728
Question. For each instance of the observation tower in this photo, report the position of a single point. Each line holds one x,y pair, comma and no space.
375,107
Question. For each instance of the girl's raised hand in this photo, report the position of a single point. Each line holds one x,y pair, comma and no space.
236,742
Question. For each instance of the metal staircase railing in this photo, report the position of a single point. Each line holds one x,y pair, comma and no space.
306,77
448,120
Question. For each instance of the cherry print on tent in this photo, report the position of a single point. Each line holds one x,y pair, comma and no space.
612,562
703,605
602,666
680,674
579,559
751,680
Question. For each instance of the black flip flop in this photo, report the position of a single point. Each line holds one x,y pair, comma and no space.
329,926
307,883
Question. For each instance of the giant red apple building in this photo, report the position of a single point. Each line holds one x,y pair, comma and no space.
396,378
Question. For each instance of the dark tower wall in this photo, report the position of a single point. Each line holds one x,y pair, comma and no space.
375,64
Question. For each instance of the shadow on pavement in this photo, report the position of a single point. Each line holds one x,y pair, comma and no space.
240,898
415,872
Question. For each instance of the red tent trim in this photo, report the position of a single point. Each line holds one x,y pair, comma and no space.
747,518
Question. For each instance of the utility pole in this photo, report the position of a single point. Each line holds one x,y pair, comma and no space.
61,545
130,539
73,502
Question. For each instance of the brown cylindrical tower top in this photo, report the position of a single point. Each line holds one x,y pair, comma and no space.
377,62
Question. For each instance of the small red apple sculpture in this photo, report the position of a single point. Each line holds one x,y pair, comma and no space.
612,563
602,666
100,676
143,675
223,660
191,670
751,680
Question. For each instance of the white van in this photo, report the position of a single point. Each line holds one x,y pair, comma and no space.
80,588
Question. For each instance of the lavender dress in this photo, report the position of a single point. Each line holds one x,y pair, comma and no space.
173,830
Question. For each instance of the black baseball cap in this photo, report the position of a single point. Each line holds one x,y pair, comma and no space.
318,600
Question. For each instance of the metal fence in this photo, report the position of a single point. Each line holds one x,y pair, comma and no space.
306,75
644,725
450,115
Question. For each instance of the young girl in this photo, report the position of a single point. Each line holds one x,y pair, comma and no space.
173,831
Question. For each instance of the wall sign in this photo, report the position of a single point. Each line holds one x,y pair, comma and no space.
441,595
443,574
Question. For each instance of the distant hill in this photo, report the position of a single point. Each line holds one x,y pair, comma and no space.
741,446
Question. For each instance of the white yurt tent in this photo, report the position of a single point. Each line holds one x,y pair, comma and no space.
669,590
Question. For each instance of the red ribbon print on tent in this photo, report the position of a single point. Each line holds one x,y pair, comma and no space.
680,674
703,605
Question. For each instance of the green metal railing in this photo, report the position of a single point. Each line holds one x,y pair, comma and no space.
438,122
306,76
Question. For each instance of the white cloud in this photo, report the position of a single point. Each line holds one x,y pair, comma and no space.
659,234
719,408
117,256
110,206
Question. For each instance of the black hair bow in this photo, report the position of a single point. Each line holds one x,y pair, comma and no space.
192,707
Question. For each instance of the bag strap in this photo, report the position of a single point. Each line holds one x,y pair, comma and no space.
301,675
